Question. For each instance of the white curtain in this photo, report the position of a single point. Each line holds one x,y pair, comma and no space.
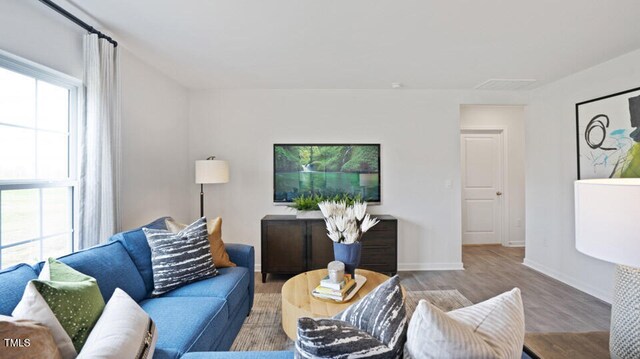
99,144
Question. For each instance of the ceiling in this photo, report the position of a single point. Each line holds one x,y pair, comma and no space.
369,44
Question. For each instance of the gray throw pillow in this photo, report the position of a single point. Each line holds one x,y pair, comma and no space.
374,327
179,258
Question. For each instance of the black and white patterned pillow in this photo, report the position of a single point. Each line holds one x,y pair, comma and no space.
179,258
374,327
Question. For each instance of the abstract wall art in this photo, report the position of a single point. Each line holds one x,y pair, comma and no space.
608,136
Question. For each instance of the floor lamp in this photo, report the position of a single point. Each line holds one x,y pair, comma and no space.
210,171
608,228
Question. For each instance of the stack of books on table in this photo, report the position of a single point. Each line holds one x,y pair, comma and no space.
335,291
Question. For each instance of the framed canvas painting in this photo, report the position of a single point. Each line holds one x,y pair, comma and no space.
608,136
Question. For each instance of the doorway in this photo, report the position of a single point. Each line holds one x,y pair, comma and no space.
492,175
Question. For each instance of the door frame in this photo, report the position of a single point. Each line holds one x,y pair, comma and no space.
502,132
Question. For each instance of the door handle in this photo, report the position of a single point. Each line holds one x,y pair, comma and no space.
498,193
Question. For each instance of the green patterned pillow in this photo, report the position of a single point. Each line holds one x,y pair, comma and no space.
74,298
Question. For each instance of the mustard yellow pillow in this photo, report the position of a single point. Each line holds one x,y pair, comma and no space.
214,229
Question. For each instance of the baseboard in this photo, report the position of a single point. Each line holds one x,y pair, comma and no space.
515,244
429,266
584,287
414,266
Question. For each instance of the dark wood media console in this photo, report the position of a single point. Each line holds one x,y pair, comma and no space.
291,245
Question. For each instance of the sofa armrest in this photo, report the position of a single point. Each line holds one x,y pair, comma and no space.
243,255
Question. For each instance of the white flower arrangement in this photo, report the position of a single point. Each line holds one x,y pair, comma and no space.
346,224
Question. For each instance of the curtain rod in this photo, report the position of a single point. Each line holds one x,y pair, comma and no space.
77,21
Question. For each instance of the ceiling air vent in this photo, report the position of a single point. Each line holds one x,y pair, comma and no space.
505,84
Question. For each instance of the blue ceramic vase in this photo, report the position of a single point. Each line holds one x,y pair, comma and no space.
349,254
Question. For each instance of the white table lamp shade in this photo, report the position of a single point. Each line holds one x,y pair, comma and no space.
212,171
608,219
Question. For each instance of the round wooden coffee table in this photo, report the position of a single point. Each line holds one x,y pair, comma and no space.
297,301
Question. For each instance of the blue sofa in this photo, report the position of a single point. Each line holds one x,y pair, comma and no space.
197,318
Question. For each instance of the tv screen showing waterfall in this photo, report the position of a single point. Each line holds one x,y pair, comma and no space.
326,169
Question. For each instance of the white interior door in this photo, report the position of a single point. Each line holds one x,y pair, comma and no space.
481,187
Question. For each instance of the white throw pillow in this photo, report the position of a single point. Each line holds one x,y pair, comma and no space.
124,330
33,307
491,329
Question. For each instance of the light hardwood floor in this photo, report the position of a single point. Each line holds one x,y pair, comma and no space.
550,306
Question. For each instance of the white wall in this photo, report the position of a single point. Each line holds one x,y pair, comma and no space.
31,30
155,108
155,170
417,130
511,119
551,170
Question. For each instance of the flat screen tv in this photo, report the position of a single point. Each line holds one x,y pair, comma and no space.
326,169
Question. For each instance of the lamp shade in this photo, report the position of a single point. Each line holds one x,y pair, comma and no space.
212,171
608,219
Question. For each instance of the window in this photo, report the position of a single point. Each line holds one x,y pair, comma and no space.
38,119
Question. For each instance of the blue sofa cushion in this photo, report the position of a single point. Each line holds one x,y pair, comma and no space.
112,268
236,319
231,284
136,244
239,355
187,323
13,280
165,353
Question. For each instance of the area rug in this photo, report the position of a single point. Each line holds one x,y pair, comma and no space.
262,330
